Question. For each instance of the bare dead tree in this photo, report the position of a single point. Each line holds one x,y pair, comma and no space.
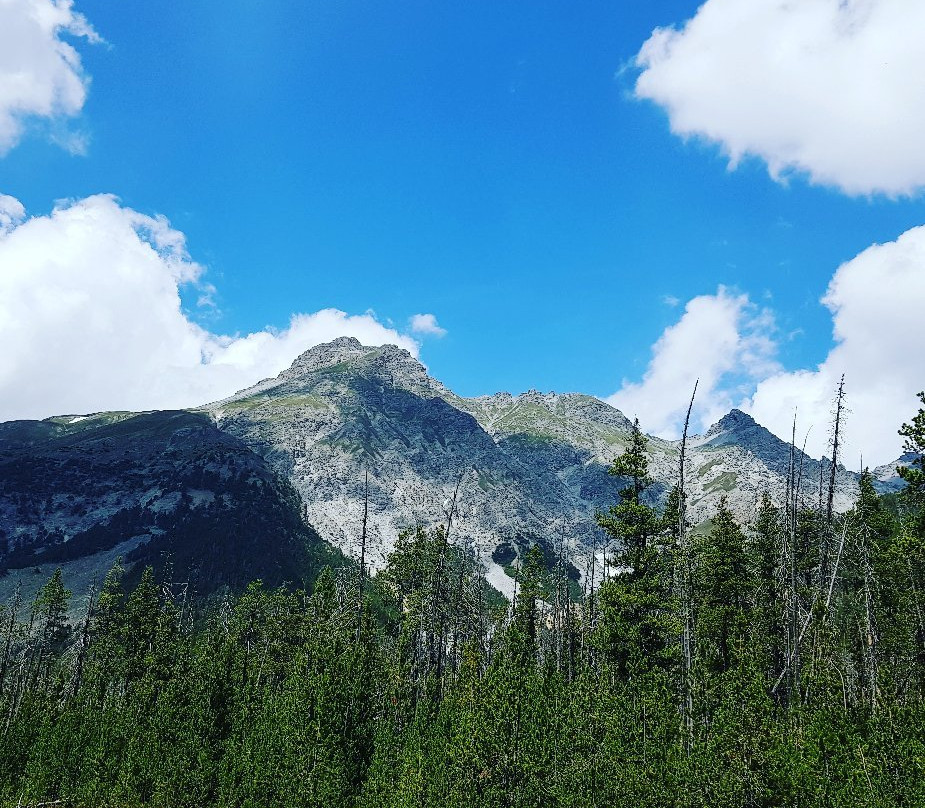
792,666
798,490
836,435
438,628
821,477
793,641
841,548
362,572
451,511
871,635
83,641
684,584
789,561
15,605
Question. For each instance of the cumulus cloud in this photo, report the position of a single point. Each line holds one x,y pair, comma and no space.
12,212
876,300
834,89
40,73
722,340
91,317
426,324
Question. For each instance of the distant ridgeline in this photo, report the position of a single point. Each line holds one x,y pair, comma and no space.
780,663
243,488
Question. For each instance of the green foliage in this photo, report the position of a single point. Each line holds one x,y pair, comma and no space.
914,475
725,588
417,691
636,620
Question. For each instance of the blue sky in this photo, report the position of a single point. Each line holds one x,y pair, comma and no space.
490,163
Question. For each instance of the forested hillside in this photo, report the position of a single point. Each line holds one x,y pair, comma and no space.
778,663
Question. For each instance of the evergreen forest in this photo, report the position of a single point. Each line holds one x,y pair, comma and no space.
775,663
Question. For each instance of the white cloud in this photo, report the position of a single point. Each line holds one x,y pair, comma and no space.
91,318
831,88
426,324
40,74
723,340
876,300
12,212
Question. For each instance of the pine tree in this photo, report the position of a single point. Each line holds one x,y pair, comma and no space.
771,578
913,434
725,591
635,621
49,610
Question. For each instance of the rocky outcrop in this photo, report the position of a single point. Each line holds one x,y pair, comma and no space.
297,451
529,466
160,489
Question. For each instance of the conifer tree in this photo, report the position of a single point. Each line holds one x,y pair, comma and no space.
635,623
49,611
725,590
771,577
913,434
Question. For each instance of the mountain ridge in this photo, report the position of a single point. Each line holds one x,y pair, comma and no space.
528,460
531,467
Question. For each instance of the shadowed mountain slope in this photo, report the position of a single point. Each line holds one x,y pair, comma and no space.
165,488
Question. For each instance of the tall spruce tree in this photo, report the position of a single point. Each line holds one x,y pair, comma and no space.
724,592
635,630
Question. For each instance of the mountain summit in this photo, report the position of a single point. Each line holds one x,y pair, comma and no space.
523,468
343,349
735,422
388,365
528,466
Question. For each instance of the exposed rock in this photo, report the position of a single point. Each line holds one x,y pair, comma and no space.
529,465
168,488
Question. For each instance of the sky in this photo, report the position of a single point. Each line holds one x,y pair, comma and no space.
611,198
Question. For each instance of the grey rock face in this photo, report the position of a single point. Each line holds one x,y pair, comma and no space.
740,459
339,412
523,468
887,474
531,466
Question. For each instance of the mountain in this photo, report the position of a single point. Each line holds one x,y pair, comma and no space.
887,474
243,488
342,410
160,488
529,467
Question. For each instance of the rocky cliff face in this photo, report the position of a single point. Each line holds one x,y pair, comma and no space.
341,411
528,467
887,474
236,489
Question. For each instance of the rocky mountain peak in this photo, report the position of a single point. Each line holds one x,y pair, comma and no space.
342,349
532,396
387,365
737,427
734,421
396,367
